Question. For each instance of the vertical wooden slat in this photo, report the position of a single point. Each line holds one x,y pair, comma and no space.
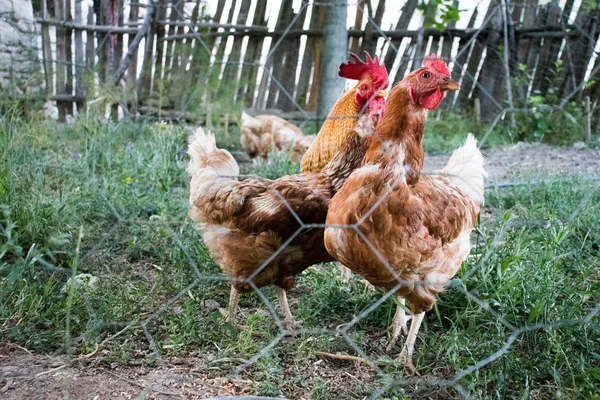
491,77
369,41
448,39
189,44
583,47
358,19
548,52
289,69
250,72
61,44
118,18
90,46
179,50
316,77
173,19
567,79
472,64
285,17
462,57
145,82
309,58
47,52
199,58
132,70
535,44
102,50
229,81
220,50
216,19
69,56
79,60
161,15
407,13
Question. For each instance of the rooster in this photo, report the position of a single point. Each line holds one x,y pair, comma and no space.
373,80
252,226
414,229
368,93
260,134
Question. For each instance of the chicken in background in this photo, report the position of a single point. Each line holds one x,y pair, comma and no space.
260,134
417,226
248,221
366,95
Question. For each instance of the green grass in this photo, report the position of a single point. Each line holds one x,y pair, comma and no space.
124,186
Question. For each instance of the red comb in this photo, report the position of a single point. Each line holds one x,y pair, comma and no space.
433,61
356,68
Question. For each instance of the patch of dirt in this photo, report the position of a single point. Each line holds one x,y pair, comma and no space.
530,159
32,376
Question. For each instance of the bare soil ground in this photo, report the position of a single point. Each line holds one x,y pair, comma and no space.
531,159
35,376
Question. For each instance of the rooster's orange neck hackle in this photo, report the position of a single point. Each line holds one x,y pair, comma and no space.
367,96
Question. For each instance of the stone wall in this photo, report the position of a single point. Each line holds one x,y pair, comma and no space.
19,68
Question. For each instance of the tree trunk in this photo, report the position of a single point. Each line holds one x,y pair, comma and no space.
335,41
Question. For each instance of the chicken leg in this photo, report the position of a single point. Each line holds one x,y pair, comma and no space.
234,299
399,323
405,355
346,274
288,322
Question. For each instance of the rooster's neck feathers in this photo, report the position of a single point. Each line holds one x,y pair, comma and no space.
346,160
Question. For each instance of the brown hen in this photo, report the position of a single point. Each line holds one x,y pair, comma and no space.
414,229
261,134
252,226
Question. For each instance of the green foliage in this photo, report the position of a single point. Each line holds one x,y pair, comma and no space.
439,13
279,164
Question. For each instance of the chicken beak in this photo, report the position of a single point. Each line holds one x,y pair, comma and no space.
450,84
382,93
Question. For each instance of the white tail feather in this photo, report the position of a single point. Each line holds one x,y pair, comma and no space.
204,155
465,169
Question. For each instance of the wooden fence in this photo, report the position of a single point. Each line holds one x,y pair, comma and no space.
188,60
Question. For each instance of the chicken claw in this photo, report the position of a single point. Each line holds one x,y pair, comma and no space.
234,299
288,322
405,356
399,324
407,361
346,274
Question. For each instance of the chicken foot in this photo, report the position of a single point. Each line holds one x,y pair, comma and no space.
288,322
405,356
399,323
234,299
346,274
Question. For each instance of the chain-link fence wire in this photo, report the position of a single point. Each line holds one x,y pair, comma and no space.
388,380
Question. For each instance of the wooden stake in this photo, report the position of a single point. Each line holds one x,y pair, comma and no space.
588,114
79,60
60,13
513,123
47,52
477,105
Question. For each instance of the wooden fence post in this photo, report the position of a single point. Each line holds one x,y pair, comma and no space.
335,40
588,115
47,52
79,60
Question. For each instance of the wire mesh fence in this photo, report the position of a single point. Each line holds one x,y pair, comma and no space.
531,279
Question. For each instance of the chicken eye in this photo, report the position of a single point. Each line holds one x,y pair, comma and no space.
364,87
426,75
